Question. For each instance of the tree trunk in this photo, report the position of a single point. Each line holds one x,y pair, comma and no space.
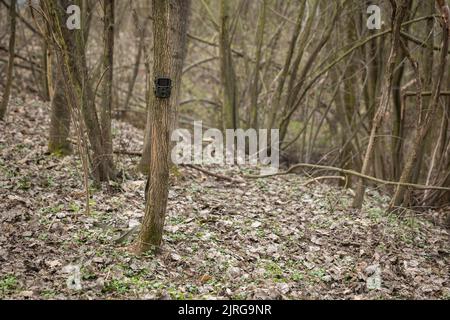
425,121
165,14
298,92
70,50
230,116
134,75
255,85
44,75
398,121
60,118
428,63
108,66
400,14
9,76
179,48
99,164
276,100
348,152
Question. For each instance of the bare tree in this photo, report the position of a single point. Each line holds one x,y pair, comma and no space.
230,113
399,8
425,118
170,21
70,48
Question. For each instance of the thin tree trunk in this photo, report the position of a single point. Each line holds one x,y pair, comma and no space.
400,14
398,121
230,117
428,62
255,85
295,98
99,164
60,118
398,118
439,171
135,72
108,65
44,75
276,100
348,151
426,120
9,76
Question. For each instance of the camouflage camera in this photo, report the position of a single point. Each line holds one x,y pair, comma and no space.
163,88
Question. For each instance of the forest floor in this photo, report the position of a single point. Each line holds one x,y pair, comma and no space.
270,238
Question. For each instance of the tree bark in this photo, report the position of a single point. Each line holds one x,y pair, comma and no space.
428,63
9,75
60,118
230,114
70,50
178,42
255,85
137,63
108,66
165,13
45,75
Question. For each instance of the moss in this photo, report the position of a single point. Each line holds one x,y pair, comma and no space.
60,150
175,171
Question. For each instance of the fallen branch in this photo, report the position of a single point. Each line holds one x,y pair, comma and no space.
347,172
216,175
323,178
128,153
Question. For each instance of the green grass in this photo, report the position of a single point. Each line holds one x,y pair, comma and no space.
8,285
273,270
24,183
117,286
375,214
48,294
74,207
318,273
297,276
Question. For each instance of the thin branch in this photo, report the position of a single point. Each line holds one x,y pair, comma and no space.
348,172
209,173
323,178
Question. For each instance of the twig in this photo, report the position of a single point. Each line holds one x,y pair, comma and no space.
216,175
348,172
128,153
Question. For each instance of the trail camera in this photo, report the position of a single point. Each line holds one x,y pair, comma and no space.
163,88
